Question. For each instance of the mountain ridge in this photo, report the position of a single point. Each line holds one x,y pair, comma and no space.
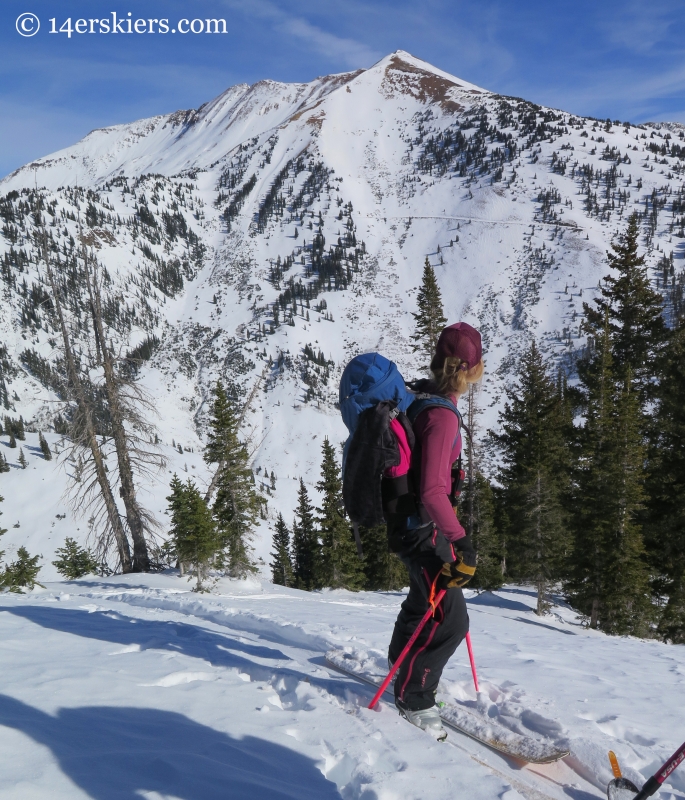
278,221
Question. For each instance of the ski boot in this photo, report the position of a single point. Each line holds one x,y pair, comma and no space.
428,719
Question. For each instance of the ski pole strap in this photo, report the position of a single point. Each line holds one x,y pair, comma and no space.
406,650
654,783
614,764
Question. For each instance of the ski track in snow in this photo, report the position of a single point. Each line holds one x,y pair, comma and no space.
130,687
133,686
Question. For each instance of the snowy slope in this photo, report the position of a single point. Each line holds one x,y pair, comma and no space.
134,687
514,204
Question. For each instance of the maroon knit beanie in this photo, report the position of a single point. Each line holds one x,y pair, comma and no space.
459,341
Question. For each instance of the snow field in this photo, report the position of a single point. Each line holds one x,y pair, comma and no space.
132,686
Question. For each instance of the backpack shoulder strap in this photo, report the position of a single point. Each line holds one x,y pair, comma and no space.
424,401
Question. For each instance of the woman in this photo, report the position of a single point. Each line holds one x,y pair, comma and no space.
446,558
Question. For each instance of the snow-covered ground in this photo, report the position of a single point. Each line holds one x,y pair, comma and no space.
133,686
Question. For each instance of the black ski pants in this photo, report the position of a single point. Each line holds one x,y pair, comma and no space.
416,682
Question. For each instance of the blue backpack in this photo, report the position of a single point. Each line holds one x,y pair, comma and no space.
379,411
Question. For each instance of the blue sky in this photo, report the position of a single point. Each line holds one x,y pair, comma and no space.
620,59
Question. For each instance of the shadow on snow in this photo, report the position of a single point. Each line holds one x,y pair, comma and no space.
118,753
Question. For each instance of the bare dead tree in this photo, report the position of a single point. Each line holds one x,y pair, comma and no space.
472,455
96,486
125,400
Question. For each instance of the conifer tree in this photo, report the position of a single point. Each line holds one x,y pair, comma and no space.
383,569
430,317
487,539
281,566
2,530
534,476
193,530
477,505
306,547
609,579
75,561
634,311
666,489
22,573
341,567
45,447
4,466
236,506
22,459
13,441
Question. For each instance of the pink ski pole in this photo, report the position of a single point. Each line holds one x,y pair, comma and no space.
407,648
659,777
472,660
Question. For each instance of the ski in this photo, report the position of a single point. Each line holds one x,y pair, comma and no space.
462,720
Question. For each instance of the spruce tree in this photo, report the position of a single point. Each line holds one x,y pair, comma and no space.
22,573
237,504
45,447
666,489
634,312
13,441
306,547
534,474
281,566
75,561
487,539
23,463
341,567
4,466
383,569
477,505
609,578
193,530
430,317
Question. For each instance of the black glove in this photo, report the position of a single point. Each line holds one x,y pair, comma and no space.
458,573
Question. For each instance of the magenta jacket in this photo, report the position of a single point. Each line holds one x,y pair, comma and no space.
437,447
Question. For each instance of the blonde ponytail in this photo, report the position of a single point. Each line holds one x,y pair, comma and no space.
454,377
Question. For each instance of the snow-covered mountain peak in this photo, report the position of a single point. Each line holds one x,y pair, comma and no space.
280,229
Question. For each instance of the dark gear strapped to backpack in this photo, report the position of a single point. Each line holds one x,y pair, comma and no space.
379,412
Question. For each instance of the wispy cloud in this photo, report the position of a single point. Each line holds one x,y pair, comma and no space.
351,53
640,27
346,51
636,100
